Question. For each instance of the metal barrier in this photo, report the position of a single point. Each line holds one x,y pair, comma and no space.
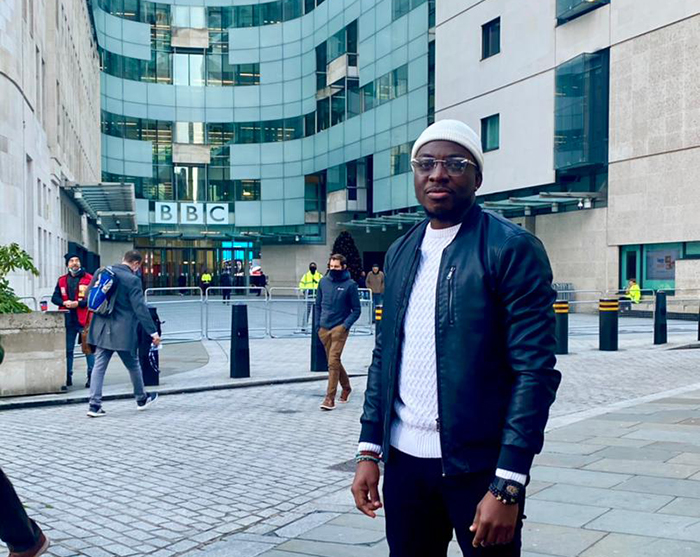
290,311
572,297
170,313
34,306
217,316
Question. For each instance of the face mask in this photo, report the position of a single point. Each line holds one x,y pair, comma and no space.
74,272
312,269
337,274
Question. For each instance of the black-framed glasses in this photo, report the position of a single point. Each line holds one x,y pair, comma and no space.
453,166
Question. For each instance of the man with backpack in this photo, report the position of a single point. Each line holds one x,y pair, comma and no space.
116,298
70,295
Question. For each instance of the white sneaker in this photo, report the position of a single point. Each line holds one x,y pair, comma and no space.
150,400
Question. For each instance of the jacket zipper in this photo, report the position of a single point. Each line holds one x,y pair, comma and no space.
450,295
450,274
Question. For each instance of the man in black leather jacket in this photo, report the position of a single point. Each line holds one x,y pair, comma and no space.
462,374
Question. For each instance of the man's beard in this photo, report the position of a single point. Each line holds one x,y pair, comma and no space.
454,215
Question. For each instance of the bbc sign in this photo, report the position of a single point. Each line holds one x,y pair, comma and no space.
192,213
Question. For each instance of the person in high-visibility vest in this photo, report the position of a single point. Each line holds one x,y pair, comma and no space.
308,286
633,291
70,295
205,280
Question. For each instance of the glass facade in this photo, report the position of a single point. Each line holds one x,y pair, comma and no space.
571,9
265,108
581,111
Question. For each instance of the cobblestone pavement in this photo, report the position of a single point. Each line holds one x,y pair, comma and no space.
241,472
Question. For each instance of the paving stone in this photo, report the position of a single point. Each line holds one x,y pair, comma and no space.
639,523
686,458
343,534
309,547
637,453
357,520
557,540
683,506
673,446
661,486
577,477
598,497
644,468
623,545
305,524
535,486
561,514
677,436
565,460
570,448
233,548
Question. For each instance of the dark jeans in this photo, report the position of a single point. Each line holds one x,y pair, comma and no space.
226,294
72,333
423,508
17,530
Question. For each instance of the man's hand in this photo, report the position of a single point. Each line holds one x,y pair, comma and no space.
494,522
70,304
156,339
365,488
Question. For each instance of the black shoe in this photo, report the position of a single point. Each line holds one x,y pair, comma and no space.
87,384
148,401
95,412
69,381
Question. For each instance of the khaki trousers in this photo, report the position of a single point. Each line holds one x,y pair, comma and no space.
334,341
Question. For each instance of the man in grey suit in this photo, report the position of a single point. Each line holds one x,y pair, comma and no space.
117,332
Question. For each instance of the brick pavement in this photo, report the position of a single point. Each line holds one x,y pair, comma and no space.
251,471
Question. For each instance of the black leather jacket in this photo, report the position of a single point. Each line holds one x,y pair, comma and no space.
494,337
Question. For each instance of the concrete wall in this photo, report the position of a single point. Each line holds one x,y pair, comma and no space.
655,137
688,277
49,129
577,248
113,252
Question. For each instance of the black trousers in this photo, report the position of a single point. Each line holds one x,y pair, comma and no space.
17,530
423,508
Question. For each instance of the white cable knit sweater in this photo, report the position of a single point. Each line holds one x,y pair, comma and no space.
414,429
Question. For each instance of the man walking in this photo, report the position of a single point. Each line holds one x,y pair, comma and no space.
117,332
375,282
462,375
22,535
226,282
70,295
308,286
337,308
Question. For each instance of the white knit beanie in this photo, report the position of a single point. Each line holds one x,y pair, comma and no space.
455,131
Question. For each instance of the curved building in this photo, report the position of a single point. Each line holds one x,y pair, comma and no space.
259,126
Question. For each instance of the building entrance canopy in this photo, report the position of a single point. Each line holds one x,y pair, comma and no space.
111,205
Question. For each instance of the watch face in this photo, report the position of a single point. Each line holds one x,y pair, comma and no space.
512,490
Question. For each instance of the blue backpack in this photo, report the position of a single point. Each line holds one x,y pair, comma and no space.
101,296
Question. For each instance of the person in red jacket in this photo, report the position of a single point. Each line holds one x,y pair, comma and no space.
70,296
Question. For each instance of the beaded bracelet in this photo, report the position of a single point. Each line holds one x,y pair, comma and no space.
359,457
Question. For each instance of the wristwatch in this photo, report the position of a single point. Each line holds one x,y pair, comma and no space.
507,492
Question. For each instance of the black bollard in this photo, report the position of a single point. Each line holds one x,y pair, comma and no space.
378,311
561,315
319,362
608,311
240,350
660,319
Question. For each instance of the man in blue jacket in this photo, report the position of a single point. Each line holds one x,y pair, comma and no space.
337,308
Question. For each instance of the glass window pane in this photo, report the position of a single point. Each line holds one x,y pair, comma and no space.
400,81
197,70
180,16
214,76
353,92
368,97
292,9
337,108
384,89
323,116
490,133
247,190
198,18
181,71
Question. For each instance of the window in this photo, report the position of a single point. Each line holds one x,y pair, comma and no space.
189,132
247,190
581,106
571,9
247,74
490,140
189,16
491,38
190,183
188,69
401,158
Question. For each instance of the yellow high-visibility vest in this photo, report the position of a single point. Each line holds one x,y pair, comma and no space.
310,280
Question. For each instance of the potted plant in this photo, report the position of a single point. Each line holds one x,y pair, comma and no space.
31,343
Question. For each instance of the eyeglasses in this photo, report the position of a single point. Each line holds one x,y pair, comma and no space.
454,167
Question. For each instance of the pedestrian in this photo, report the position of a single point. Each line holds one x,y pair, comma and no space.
182,284
258,279
633,295
362,281
462,374
307,287
22,535
226,283
70,295
375,282
117,332
205,279
337,308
